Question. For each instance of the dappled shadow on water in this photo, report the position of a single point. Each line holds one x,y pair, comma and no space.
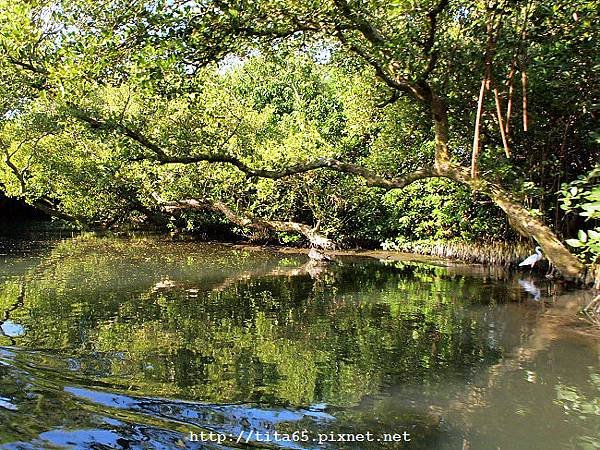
138,343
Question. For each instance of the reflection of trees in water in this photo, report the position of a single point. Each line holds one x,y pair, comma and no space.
7,309
236,325
231,326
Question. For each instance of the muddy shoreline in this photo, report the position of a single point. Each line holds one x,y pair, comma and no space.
375,254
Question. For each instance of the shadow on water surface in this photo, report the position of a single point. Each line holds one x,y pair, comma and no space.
114,343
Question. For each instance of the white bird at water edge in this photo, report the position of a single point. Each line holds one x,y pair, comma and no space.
531,260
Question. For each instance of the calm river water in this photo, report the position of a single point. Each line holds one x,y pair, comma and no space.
144,343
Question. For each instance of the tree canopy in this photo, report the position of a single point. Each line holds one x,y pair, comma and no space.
303,116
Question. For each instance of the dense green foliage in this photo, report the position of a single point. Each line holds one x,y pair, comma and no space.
582,197
85,88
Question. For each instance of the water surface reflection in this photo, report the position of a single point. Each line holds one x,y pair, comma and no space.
135,343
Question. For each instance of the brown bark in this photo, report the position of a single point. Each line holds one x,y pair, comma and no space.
501,123
524,85
511,89
439,116
518,215
475,152
485,86
521,219
15,170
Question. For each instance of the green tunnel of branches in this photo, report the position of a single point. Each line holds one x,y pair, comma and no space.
342,122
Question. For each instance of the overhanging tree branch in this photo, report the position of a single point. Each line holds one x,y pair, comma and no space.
371,178
360,36
247,220
160,156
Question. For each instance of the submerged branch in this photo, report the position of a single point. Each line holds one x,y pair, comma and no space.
556,252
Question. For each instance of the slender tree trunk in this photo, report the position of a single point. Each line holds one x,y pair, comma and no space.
511,89
519,217
501,123
524,84
485,86
475,153
439,115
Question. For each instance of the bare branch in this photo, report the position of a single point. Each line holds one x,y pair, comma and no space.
392,99
16,172
501,122
490,49
524,87
432,17
119,127
479,114
28,66
511,88
394,82
247,220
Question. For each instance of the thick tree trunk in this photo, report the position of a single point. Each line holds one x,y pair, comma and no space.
522,220
519,217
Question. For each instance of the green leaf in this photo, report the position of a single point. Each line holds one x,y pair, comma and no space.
574,243
593,234
582,236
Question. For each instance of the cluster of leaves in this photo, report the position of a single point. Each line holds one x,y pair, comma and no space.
199,79
582,197
270,111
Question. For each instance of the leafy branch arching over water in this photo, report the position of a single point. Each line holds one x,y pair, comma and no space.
106,107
